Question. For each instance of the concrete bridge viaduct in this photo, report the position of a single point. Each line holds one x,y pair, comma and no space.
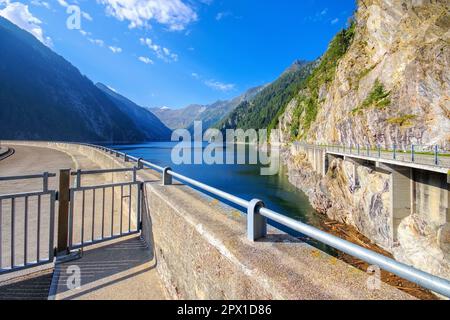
420,182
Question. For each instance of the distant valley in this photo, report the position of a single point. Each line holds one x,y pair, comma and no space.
210,114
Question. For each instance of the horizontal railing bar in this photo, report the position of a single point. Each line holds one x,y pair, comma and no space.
23,267
34,176
98,241
224,195
151,165
421,278
26,194
101,186
90,172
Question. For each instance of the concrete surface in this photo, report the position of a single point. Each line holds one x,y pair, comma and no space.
124,269
35,158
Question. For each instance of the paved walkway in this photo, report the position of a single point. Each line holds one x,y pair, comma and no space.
122,270
137,272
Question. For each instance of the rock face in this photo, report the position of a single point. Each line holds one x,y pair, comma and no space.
390,84
364,202
402,49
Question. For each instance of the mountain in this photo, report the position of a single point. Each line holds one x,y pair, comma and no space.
178,118
208,114
142,118
385,80
263,109
42,96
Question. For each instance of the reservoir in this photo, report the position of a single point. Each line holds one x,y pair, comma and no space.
244,181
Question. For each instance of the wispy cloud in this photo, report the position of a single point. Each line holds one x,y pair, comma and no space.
115,49
146,60
222,15
84,14
176,14
220,86
160,52
19,14
40,3
334,21
97,42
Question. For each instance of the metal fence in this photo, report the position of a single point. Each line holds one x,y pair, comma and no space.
418,154
27,226
258,216
103,212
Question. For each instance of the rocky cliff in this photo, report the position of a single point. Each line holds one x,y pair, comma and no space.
385,80
388,84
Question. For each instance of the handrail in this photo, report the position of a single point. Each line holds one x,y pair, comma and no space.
33,176
424,279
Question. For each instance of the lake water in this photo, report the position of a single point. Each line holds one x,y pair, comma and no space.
243,181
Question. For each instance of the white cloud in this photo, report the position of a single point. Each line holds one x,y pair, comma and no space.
195,75
176,14
115,49
85,33
98,42
20,15
222,15
216,85
334,21
146,60
324,12
65,4
160,52
87,16
40,3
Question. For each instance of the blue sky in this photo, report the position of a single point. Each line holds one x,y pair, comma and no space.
177,52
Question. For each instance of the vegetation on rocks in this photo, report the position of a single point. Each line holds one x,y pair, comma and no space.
403,121
308,102
263,111
378,98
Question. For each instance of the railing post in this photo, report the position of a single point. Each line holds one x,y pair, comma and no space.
379,151
412,153
78,178
368,150
436,155
63,211
166,177
45,182
359,150
395,152
256,223
140,164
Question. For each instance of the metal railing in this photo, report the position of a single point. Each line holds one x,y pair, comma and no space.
257,219
27,226
114,209
417,154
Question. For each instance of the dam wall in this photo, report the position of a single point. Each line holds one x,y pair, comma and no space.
202,251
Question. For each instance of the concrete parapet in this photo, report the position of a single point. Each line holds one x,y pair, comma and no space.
203,253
